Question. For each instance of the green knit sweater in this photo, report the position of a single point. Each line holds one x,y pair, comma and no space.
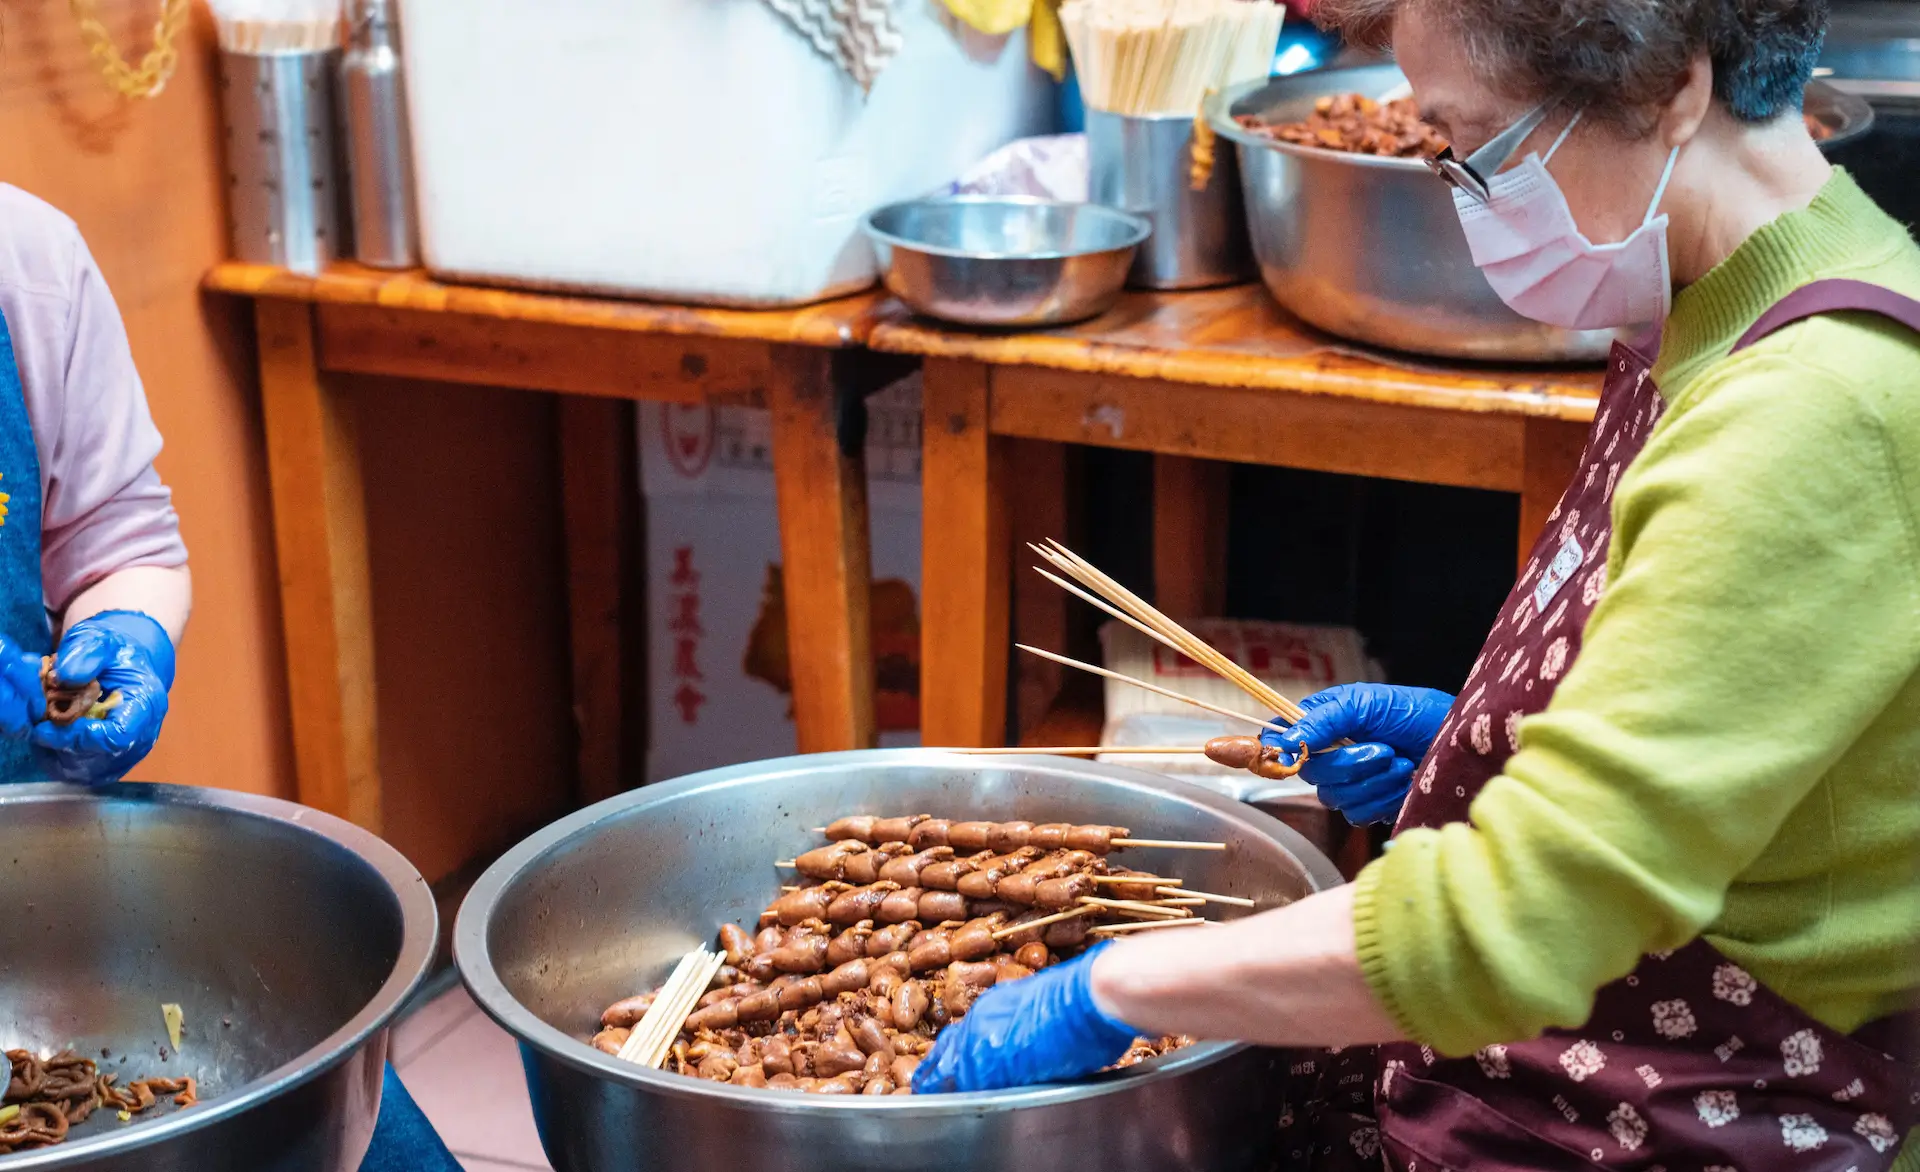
1736,751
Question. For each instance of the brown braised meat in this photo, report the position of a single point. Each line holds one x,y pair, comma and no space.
1358,125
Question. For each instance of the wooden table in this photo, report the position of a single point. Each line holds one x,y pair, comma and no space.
1222,375
595,352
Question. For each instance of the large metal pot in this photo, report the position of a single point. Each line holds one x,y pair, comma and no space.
601,904
289,938
1370,248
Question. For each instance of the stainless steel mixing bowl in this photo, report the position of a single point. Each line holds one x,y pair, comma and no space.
601,904
289,938
1005,261
1370,248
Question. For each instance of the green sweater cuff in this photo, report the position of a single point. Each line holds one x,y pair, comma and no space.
1370,944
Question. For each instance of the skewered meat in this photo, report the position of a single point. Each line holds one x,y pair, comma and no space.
899,906
858,903
850,944
830,861
922,832
1248,753
850,977
1063,892
891,938
906,870
984,880
627,1014
932,832
808,903
735,942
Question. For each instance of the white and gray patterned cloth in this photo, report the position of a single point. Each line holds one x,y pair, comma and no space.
860,36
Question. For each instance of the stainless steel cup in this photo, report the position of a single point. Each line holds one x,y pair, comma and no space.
1144,166
283,197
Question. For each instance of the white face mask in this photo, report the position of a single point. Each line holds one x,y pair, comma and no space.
1524,238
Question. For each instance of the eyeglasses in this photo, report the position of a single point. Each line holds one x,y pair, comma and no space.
1470,175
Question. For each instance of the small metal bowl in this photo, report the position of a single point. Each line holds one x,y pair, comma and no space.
993,261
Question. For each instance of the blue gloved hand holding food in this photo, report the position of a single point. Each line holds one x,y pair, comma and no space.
1391,728
1039,1029
106,697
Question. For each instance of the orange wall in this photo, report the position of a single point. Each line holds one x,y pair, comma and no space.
469,603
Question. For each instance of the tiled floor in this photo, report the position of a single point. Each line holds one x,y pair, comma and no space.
464,1071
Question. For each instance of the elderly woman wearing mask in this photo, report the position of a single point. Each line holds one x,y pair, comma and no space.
1652,900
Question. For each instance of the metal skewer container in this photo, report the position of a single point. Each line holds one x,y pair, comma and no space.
601,905
277,67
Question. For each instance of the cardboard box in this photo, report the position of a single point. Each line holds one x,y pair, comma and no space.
720,687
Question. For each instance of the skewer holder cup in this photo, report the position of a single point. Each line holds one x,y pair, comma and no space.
283,194
1144,166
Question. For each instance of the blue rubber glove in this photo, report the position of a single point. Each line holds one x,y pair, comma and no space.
1039,1029
128,653
22,701
1391,727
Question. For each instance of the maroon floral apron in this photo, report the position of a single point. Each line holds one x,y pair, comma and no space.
1688,1063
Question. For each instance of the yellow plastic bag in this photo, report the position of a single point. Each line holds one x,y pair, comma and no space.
1046,42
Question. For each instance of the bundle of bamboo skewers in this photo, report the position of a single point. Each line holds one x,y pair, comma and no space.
1149,57
268,27
1090,585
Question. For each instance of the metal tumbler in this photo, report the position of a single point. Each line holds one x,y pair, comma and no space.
1144,166
373,117
282,169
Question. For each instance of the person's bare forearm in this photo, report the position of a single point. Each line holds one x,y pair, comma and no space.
162,593
1288,977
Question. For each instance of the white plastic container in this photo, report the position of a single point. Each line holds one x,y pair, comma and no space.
691,150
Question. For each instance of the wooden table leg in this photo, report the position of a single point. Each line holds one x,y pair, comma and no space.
1037,478
320,532
824,541
601,487
1552,454
964,584
1190,536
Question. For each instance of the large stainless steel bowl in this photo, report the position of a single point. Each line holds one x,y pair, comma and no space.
1370,248
601,904
288,937
1005,261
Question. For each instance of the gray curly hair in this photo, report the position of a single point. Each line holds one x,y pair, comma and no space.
1618,59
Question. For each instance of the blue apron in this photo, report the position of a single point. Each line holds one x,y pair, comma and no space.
23,607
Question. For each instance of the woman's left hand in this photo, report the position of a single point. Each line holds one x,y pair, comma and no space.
1043,1028
125,652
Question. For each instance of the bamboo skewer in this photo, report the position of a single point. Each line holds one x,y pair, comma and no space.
1144,926
1172,844
1163,883
1207,896
1143,617
1136,907
1175,636
653,1037
1043,921
1078,751
1169,693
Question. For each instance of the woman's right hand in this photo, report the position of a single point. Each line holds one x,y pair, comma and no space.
23,702
1391,728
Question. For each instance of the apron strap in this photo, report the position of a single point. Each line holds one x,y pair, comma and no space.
1834,296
